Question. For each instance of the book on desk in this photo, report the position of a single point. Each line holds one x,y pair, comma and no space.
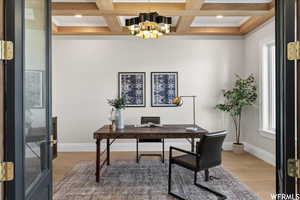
148,125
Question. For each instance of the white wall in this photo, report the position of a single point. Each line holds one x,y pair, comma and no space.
85,72
253,63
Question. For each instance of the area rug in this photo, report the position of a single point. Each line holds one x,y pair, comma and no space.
148,180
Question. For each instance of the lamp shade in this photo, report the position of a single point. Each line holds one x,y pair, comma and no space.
177,101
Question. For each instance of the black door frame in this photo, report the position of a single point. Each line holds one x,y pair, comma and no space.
14,115
285,95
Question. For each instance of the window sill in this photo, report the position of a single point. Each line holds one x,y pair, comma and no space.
267,134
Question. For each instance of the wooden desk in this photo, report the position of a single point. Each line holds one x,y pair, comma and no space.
130,132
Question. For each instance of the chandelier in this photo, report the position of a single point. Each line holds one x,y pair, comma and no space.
149,25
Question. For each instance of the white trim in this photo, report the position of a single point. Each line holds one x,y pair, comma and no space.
267,134
261,153
263,86
130,146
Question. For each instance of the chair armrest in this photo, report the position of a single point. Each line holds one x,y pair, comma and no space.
183,151
187,152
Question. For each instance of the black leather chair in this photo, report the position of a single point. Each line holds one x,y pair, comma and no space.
208,155
146,120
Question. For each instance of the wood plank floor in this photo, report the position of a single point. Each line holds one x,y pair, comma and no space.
255,173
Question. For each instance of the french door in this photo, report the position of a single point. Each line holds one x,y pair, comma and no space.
286,95
28,99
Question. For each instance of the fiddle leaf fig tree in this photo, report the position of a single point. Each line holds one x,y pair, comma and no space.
244,93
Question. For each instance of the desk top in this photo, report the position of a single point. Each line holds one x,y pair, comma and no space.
166,131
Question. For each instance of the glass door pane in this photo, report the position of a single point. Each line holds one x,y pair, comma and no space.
35,91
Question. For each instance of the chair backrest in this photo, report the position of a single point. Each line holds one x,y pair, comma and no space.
154,120
210,149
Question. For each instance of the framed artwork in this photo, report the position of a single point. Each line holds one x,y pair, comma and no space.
164,87
35,87
132,88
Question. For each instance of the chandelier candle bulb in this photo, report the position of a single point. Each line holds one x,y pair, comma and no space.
149,25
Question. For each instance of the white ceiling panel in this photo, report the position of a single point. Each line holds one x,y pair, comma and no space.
83,21
226,21
123,18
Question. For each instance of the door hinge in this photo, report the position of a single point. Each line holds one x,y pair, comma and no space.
6,171
294,168
293,50
52,141
6,50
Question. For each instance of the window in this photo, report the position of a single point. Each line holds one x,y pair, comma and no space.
268,89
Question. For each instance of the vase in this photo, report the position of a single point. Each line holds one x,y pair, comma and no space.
119,119
238,148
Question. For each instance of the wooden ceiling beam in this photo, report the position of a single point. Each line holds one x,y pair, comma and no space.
212,31
90,30
54,28
236,6
70,9
149,6
167,9
255,21
87,30
113,22
184,22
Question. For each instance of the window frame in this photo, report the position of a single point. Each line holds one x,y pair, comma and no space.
267,109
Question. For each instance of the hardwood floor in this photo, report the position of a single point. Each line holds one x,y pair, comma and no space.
255,173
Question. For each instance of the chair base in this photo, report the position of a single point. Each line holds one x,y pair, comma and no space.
219,195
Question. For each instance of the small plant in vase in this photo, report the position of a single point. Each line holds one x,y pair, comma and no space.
244,93
119,105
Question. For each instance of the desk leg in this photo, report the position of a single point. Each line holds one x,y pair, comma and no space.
98,142
108,151
193,144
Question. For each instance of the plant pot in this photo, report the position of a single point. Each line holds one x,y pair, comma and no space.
119,119
238,148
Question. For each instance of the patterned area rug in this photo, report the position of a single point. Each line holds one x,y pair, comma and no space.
126,180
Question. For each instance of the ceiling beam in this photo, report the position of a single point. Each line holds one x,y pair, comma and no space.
236,6
113,22
87,30
184,22
167,9
71,9
90,30
54,28
212,31
149,6
256,21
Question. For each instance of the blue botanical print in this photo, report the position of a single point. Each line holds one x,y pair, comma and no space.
164,88
132,89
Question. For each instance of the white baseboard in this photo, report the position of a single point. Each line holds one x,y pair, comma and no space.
130,146
261,153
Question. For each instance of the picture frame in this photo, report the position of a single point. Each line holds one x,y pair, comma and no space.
132,86
164,87
35,87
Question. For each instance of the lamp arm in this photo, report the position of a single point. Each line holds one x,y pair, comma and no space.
194,108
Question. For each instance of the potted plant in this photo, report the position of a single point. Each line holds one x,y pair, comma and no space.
119,105
244,93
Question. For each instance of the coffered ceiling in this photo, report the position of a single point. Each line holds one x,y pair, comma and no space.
107,17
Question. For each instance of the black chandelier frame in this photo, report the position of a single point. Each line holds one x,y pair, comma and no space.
148,17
